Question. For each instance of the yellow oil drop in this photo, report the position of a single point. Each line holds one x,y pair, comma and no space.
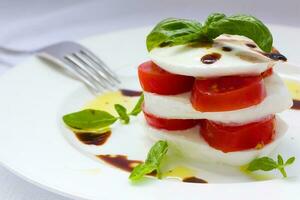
293,87
106,102
180,172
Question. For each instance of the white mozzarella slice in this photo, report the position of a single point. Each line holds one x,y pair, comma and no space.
194,147
186,59
179,106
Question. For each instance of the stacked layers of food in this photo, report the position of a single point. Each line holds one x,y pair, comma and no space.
215,101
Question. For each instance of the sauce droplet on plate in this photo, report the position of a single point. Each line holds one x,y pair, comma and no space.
193,179
120,161
296,104
92,138
130,93
210,58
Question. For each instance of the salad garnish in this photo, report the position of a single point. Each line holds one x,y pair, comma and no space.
268,164
173,31
153,162
90,119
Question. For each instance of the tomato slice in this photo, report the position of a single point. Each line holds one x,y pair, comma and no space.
267,73
156,80
169,124
236,138
227,93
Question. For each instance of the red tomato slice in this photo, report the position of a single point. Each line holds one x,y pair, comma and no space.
236,138
156,80
227,93
267,73
169,124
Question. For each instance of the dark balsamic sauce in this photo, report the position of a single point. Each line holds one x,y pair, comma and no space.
120,161
130,93
275,56
91,138
296,104
226,48
123,163
194,179
251,45
210,58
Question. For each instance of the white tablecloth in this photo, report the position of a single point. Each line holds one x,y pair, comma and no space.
34,23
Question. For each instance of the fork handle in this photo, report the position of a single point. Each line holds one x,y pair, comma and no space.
16,52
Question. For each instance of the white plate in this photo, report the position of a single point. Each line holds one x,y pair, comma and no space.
35,94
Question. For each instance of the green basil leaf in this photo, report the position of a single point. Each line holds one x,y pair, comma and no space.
290,161
173,31
121,110
154,159
157,153
244,25
140,171
263,163
280,160
138,107
89,119
283,172
214,17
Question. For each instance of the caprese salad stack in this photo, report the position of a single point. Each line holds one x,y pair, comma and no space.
215,100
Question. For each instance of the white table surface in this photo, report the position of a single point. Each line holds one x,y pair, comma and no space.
34,23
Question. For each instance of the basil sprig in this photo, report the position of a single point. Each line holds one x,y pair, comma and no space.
122,111
90,119
138,107
153,162
268,164
172,31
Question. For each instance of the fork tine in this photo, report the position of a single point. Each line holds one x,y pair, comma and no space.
100,64
100,74
86,77
82,77
87,71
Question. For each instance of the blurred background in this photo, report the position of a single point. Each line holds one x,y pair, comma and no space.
31,24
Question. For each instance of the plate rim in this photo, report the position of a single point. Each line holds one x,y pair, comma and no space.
57,190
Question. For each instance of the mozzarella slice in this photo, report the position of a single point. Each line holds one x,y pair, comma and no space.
186,59
179,106
193,146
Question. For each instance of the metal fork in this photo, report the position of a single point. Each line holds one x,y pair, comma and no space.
78,60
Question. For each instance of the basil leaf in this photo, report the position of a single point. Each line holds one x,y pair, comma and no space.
121,110
154,159
157,153
244,25
139,171
282,171
138,107
280,160
290,161
264,163
214,17
89,119
267,164
173,31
